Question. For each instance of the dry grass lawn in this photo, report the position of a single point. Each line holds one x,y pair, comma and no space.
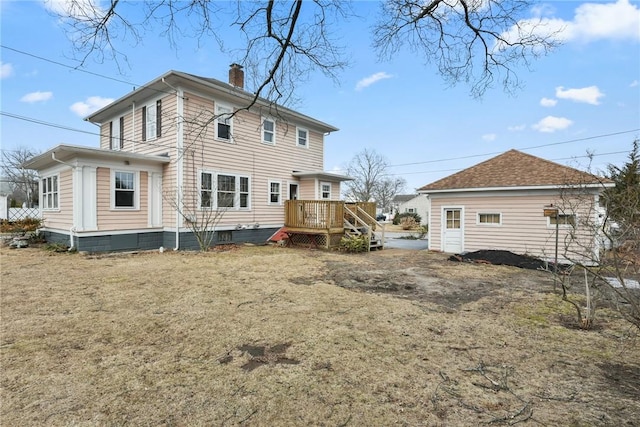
268,336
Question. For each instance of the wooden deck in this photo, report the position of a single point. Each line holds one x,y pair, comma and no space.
322,223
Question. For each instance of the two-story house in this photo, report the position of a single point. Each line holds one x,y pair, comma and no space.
178,148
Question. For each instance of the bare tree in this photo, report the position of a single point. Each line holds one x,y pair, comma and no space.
195,207
387,189
603,241
23,182
470,41
367,169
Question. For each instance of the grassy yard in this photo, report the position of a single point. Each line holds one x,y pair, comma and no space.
269,336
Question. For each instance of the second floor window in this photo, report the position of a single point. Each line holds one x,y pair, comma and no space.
223,122
268,131
303,136
50,192
116,140
152,121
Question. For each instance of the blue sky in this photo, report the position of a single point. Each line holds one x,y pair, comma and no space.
586,89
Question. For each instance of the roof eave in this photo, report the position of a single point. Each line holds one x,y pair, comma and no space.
63,153
518,188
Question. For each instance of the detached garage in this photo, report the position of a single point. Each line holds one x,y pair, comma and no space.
500,204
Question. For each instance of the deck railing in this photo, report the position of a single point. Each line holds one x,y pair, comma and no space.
314,214
321,214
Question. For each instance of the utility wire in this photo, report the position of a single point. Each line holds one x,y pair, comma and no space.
522,149
77,68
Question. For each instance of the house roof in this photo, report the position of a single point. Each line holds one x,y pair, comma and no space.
327,176
513,170
171,80
401,198
65,153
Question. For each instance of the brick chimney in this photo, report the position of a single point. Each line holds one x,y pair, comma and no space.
236,76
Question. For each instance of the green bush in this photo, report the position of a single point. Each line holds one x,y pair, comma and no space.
354,243
398,218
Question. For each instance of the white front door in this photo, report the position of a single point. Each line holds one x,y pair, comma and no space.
452,230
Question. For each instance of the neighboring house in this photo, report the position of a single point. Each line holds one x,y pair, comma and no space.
501,203
412,203
171,150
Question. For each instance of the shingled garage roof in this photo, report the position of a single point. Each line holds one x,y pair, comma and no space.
513,169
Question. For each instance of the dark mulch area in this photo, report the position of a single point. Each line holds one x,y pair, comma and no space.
498,257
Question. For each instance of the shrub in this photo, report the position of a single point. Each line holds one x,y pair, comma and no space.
354,243
20,226
398,218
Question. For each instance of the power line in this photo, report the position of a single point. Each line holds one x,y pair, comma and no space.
553,160
77,68
522,149
55,125
71,67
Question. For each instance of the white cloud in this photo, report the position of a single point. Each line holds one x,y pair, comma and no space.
6,70
551,124
589,95
516,128
618,21
37,97
374,78
591,22
489,136
82,9
547,102
634,83
91,104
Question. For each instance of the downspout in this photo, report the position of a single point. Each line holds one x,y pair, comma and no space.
133,125
72,229
179,165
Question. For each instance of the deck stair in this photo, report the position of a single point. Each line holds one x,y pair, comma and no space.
360,223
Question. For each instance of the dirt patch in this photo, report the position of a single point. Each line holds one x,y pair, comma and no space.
267,336
499,257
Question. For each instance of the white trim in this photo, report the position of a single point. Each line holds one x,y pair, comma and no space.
136,189
298,129
152,106
600,185
95,233
114,140
214,190
488,224
564,226
269,202
226,109
443,225
321,192
289,184
263,131
42,193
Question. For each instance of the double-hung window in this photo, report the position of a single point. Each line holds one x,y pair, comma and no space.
116,137
206,190
223,191
302,136
125,185
325,190
152,121
274,193
224,122
50,193
268,131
